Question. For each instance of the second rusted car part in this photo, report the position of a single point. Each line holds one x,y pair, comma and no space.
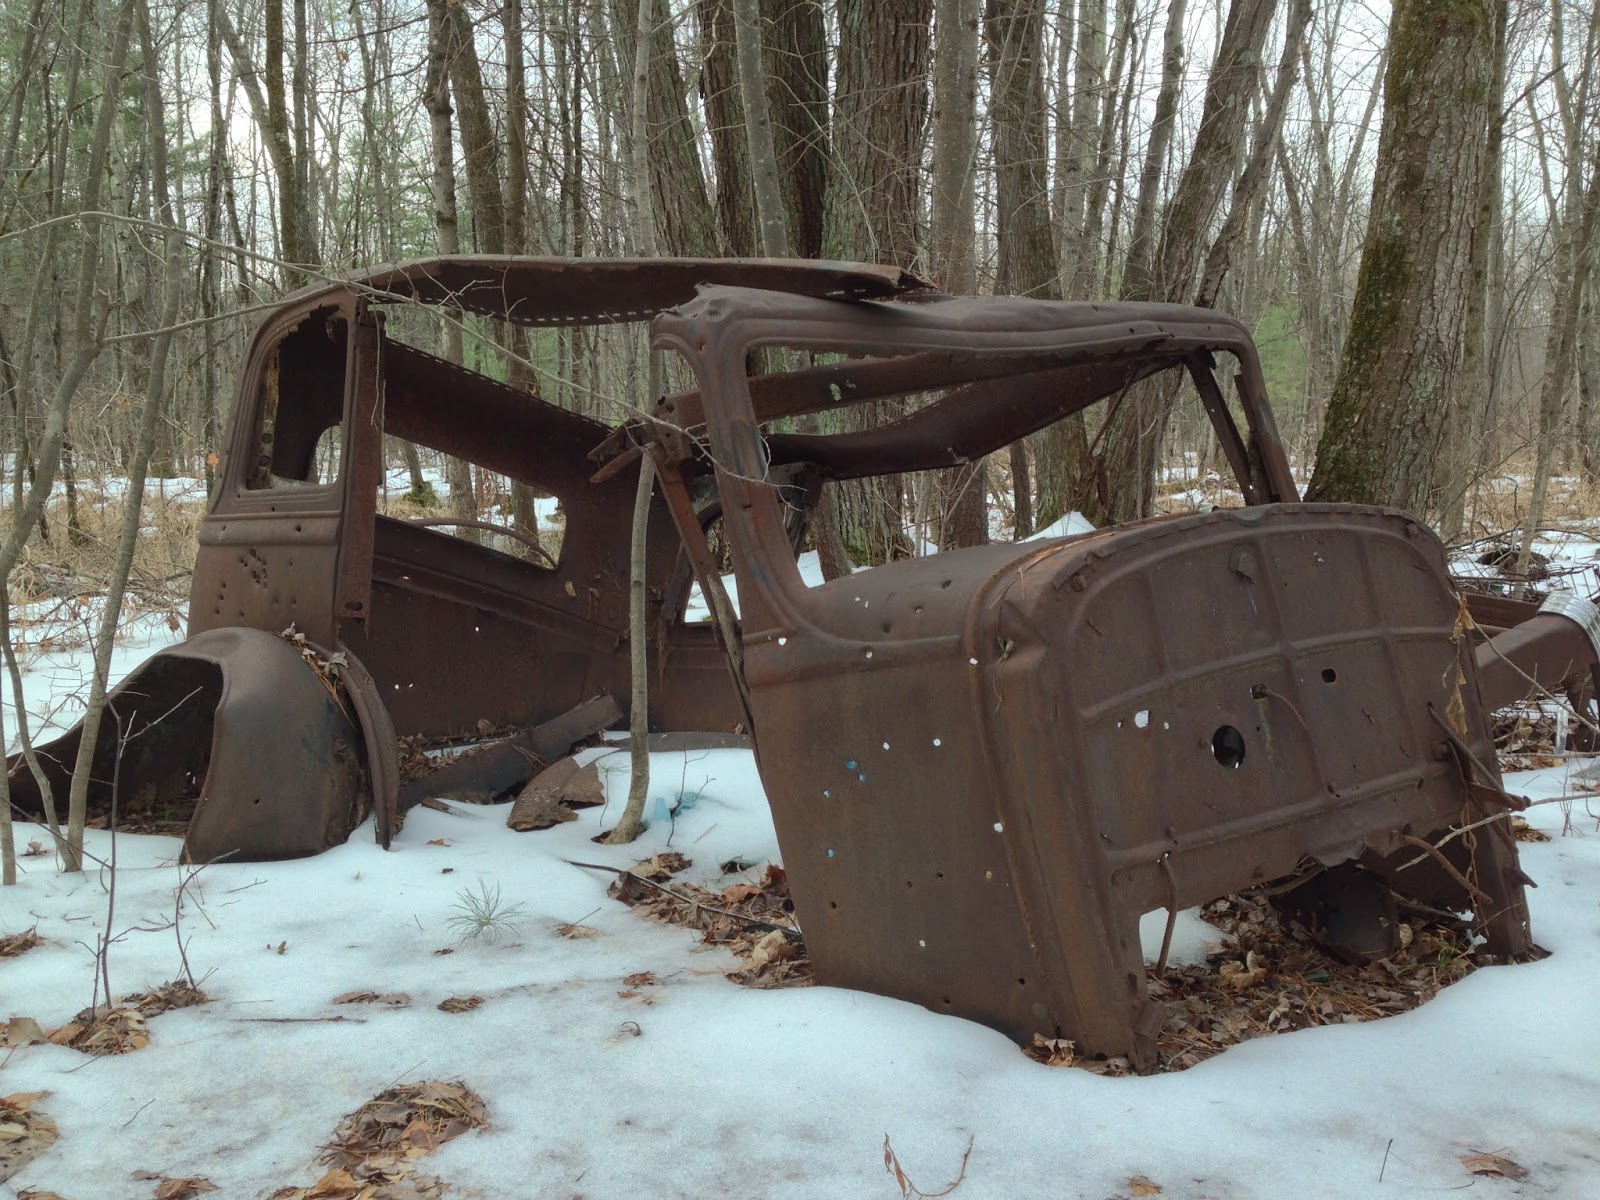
986,765
427,633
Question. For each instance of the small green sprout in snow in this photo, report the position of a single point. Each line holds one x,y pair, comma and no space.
482,914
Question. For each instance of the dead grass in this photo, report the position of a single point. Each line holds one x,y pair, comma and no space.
1500,504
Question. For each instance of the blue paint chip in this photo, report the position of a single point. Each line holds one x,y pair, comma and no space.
830,853
826,794
851,765
862,778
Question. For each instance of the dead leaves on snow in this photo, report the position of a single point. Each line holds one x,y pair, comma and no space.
387,999
25,1132
754,920
106,1031
17,944
460,1004
123,1029
1494,1165
374,1150
174,1188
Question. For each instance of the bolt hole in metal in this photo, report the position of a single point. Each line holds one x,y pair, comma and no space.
1329,675
1227,747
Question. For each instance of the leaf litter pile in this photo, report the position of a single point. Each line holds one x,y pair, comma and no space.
25,1132
754,920
108,1029
1269,975
374,1152
1265,975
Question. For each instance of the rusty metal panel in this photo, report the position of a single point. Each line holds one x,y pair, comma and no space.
238,724
985,765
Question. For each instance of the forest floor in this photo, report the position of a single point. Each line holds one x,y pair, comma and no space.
357,1025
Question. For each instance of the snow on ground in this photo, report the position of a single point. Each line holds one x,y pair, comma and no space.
725,1090
50,636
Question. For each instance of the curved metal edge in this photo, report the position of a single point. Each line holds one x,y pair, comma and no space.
1583,613
283,780
379,737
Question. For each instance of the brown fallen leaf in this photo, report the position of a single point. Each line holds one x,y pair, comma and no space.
661,867
25,1132
1052,1052
34,850
438,842
460,1004
31,1194
183,1189
1494,1165
391,999
575,932
21,1031
640,979
1241,977
19,943
1142,1185
108,1031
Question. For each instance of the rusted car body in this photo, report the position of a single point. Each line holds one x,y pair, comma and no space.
412,630
986,764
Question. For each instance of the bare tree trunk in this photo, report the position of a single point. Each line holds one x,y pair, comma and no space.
1574,254
77,810
631,824
762,155
1137,429
436,98
1470,403
1402,355
1588,382
962,492
684,222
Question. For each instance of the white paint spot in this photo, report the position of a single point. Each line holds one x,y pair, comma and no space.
886,745
937,742
973,661
922,943
869,653
1142,718
783,641
999,827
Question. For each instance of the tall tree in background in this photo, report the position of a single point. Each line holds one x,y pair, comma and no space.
962,492
1165,266
1026,266
871,212
1403,354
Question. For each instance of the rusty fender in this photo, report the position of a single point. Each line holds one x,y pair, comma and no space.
287,760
